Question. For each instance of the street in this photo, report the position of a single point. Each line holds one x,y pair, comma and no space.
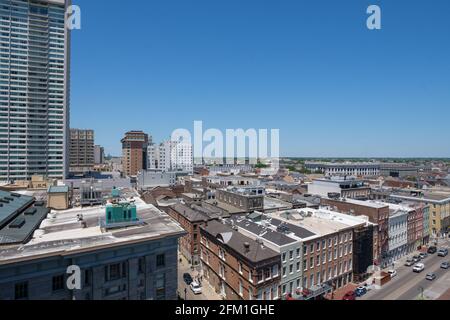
185,291
408,285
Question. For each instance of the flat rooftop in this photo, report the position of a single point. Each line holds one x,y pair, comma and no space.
320,222
61,233
368,203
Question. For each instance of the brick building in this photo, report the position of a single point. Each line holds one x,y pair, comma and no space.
238,267
378,214
134,152
190,218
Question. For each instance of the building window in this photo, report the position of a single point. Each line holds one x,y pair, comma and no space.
58,282
305,250
241,288
324,258
240,267
141,265
311,262
311,249
284,271
160,286
291,255
260,276
305,265
115,271
160,260
284,257
318,246
298,252
298,266
291,269
87,277
21,291
275,270
266,273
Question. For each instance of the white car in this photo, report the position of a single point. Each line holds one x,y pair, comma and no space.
392,273
195,287
419,267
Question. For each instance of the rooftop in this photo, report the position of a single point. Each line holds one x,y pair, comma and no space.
255,252
62,233
320,222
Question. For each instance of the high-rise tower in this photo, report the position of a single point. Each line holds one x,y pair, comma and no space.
34,89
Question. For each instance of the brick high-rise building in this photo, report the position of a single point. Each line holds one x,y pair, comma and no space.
81,150
134,152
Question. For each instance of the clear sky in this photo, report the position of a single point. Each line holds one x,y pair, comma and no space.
310,68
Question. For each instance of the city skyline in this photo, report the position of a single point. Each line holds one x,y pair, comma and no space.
310,69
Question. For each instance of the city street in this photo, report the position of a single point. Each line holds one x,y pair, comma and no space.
408,285
185,291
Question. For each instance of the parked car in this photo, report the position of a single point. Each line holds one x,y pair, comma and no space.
432,250
416,258
351,295
430,276
187,278
392,273
409,262
195,287
445,265
423,255
443,252
419,267
360,291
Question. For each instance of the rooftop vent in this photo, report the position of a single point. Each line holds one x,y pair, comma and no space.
30,211
39,203
17,224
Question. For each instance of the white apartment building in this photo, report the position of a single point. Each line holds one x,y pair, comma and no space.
398,232
34,89
171,156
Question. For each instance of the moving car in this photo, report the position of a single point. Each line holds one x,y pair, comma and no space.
419,267
349,296
195,287
443,252
445,265
392,273
360,291
409,262
187,278
432,250
416,258
423,255
430,276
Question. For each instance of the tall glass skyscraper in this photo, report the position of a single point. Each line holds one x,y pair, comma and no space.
34,89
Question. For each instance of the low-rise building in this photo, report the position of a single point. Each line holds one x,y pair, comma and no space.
135,262
438,201
147,179
378,213
191,218
246,198
236,266
345,187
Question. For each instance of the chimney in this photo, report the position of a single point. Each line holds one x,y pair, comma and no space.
246,247
206,222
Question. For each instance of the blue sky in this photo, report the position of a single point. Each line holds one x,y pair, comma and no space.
310,68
